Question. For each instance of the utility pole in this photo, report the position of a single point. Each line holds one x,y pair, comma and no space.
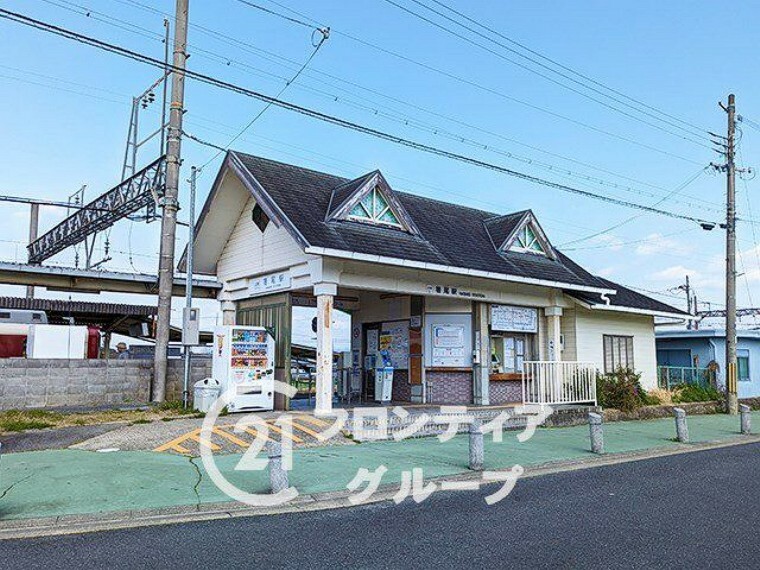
732,400
687,289
34,229
170,202
186,341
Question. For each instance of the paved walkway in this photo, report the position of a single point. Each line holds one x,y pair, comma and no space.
64,482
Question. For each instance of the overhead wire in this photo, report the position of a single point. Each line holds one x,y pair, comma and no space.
486,89
394,116
583,76
324,117
548,78
427,127
674,192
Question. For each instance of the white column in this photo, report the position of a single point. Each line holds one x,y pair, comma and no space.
482,368
553,315
325,292
228,313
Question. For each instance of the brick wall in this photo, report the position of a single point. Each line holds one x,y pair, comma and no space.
402,391
449,387
51,383
504,392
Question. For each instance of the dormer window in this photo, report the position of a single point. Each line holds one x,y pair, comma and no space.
373,207
526,240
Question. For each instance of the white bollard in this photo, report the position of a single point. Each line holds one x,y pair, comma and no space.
746,419
278,477
477,450
596,432
682,430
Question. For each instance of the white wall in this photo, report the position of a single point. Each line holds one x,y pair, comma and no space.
249,252
591,326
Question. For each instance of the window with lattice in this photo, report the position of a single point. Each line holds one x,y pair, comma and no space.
527,240
374,208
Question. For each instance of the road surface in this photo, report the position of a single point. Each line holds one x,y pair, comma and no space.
695,510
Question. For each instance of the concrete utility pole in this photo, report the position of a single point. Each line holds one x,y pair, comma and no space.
169,218
189,290
34,229
732,400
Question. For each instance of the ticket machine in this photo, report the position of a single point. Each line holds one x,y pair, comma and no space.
383,377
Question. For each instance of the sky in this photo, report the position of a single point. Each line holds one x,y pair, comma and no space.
64,111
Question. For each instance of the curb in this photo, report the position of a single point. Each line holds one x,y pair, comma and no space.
98,522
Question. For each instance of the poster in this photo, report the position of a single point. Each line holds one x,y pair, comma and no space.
514,319
448,345
394,338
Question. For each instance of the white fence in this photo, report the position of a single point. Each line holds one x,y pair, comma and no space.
548,382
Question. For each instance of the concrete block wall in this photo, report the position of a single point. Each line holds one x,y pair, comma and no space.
56,383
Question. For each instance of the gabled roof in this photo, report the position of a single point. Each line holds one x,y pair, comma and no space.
348,195
448,237
504,229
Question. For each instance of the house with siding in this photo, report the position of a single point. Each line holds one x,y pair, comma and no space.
472,307
690,352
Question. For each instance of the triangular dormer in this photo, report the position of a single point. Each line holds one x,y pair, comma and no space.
519,233
369,199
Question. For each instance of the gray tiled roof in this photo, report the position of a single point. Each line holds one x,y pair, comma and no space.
450,234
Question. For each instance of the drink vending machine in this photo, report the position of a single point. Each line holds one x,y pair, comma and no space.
244,359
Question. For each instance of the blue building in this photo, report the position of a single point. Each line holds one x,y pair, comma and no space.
695,353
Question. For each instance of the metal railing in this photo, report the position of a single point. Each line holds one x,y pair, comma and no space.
550,382
669,376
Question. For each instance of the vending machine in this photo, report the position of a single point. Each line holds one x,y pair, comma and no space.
244,359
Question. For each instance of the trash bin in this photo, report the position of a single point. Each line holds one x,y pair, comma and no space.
205,393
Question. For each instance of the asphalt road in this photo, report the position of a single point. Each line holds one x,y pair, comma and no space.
696,510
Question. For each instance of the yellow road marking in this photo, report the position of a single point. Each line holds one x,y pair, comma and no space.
294,437
174,444
195,436
303,428
230,437
312,420
255,433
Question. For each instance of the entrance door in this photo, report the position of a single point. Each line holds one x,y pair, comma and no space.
371,348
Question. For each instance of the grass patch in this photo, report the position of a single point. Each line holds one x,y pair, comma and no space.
22,420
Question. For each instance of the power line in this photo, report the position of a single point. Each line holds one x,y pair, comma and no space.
427,127
394,116
325,34
469,82
675,191
330,119
565,67
548,78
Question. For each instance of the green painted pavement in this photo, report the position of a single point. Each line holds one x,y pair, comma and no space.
72,482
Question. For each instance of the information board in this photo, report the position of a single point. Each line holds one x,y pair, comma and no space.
514,319
448,345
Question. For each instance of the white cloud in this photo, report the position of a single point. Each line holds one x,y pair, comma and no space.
676,273
612,242
657,243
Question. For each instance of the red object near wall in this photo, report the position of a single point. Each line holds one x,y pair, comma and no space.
12,345
93,342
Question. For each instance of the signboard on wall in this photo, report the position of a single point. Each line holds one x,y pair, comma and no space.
448,345
266,284
514,319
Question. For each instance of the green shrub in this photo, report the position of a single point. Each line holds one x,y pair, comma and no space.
684,393
622,390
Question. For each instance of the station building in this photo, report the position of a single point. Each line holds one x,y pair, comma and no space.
472,307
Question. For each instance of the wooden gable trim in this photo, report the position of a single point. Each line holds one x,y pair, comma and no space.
529,219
